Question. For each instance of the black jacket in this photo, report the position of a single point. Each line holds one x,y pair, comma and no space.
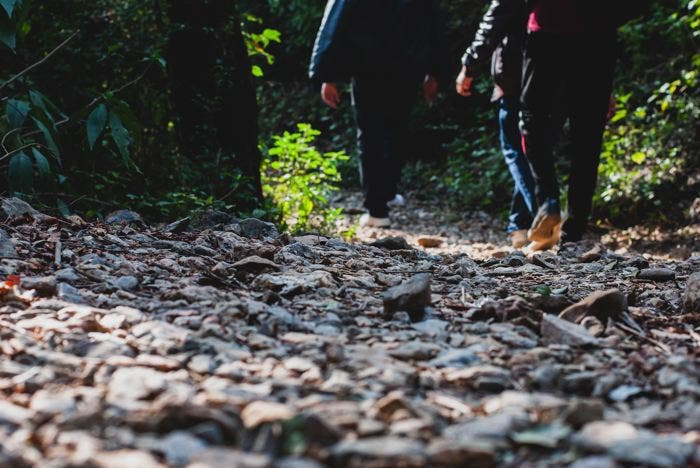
502,33
379,38
500,37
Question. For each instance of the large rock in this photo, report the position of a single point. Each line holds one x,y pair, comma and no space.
13,208
691,297
558,331
600,304
411,296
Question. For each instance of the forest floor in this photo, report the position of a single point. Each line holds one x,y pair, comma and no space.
220,342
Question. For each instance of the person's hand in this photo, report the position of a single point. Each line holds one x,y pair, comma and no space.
330,94
430,88
464,83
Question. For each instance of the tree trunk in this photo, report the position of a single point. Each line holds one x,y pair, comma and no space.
213,93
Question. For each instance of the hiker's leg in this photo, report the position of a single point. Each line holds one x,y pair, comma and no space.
590,103
371,134
524,203
400,101
542,78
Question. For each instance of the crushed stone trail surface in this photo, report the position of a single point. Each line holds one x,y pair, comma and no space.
220,342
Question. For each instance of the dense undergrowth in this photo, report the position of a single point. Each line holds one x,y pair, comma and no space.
99,130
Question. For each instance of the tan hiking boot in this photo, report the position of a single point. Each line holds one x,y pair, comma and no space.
538,246
547,223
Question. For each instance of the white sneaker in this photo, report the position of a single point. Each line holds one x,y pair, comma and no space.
370,221
398,200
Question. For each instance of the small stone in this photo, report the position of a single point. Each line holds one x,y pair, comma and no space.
595,462
392,243
256,229
179,447
294,462
429,242
411,296
260,412
255,264
44,286
220,457
69,293
124,217
380,452
582,412
493,429
67,275
600,304
393,407
126,283
651,450
558,331
599,436
474,454
416,350
657,274
52,403
131,384
123,458
691,297
624,392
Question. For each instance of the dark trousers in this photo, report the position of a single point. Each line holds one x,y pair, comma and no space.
578,70
382,107
524,203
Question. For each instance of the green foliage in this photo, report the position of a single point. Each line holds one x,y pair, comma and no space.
258,44
651,142
299,180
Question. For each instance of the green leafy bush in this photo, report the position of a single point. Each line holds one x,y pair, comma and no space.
652,141
299,180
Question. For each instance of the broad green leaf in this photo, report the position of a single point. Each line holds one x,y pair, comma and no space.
41,162
8,32
17,112
96,123
639,157
20,174
125,114
9,6
120,135
48,136
257,71
43,103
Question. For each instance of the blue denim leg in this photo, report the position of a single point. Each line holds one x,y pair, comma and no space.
524,205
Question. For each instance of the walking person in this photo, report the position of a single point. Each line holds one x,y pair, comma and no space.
386,48
500,38
570,54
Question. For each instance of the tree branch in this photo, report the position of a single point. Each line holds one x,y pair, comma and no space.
44,59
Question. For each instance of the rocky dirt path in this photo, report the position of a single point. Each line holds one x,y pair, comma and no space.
220,342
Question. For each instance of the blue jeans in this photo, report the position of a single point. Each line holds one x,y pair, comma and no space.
524,205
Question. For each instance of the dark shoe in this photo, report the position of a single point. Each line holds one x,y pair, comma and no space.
545,227
571,237
571,231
